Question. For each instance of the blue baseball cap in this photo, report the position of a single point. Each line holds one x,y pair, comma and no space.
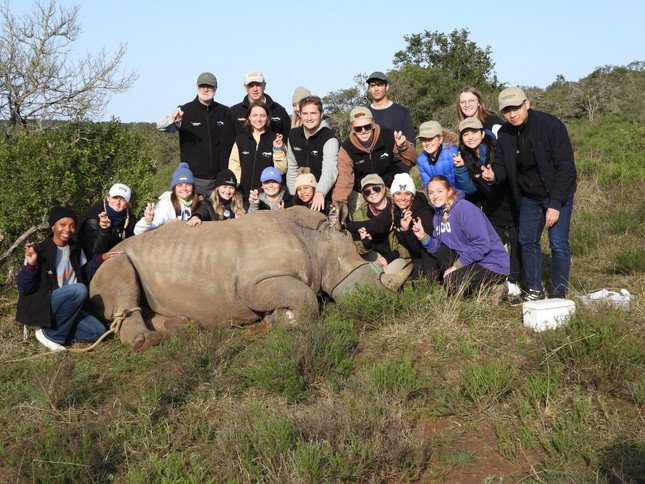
270,173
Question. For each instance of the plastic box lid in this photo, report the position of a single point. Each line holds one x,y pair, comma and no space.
543,304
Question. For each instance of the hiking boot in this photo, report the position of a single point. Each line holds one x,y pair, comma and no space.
497,294
47,343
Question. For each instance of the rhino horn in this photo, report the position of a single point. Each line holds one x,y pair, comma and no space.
393,281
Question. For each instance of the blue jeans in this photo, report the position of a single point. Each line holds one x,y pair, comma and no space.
69,322
532,222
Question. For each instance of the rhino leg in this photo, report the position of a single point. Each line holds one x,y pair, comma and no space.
280,294
170,324
116,286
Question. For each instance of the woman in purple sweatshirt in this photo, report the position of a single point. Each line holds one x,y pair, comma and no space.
467,250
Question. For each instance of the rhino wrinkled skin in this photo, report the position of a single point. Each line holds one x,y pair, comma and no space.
220,274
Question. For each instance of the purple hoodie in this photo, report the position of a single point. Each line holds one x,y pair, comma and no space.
468,232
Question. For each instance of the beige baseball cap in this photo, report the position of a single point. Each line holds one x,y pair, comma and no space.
360,113
430,129
253,76
512,96
470,123
371,179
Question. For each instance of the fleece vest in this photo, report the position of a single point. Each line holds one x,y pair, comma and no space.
309,151
202,137
254,157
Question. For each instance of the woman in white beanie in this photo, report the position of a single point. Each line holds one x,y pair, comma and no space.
411,205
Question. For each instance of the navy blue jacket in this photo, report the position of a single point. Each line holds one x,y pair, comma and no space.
35,285
553,155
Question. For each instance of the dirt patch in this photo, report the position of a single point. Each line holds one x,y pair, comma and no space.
466,453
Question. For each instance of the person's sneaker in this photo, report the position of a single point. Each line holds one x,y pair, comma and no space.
498,294
513,288
533,295
46,342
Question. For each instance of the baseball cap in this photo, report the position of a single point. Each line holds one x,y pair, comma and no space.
376,76
512,96
359,113
120,190
371,179
470,123
430,129
270,173
253,76
208,79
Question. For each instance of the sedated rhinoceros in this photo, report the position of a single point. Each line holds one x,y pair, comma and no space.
233,272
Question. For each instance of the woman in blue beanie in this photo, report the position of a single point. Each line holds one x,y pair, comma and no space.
177,204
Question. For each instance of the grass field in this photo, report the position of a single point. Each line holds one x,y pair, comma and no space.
378,387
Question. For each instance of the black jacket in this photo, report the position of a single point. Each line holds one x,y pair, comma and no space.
380,161
93,239
553,154
280,120
205,138
420,209
35,287
254,158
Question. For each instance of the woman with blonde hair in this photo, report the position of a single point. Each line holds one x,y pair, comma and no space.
470,103
466,249
225,203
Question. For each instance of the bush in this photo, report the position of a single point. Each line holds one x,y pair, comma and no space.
72,164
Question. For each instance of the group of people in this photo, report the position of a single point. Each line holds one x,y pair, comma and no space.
486,193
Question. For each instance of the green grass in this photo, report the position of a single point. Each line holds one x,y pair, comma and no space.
378,387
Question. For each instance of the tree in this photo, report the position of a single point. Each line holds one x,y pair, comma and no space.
339,103
39,78
466,62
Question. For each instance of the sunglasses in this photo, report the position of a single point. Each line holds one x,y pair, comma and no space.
367,191
358,129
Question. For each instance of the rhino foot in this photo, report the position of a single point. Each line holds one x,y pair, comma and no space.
144,341
177,323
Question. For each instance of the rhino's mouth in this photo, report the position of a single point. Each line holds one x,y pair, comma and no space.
358,276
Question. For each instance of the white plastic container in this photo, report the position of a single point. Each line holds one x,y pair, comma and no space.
547,313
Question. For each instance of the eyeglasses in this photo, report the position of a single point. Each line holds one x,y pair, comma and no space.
358,129
367,191
468,102
206,87
512,109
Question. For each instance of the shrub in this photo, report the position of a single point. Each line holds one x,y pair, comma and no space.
73,164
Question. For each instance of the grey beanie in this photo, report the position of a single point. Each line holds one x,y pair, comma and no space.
182,175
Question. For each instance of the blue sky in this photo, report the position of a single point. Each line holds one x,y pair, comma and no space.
323,45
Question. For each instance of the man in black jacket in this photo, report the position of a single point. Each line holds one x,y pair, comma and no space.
255,85
205,134
534,154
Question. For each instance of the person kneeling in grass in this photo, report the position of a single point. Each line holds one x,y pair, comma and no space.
52,286
467,251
